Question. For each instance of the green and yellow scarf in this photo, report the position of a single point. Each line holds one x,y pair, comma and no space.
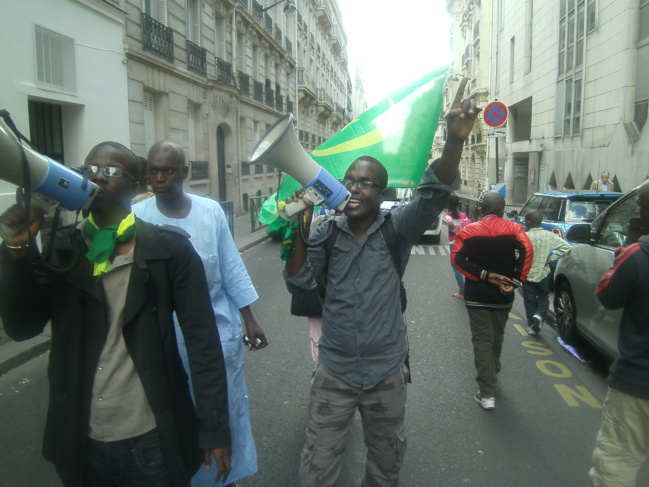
104,241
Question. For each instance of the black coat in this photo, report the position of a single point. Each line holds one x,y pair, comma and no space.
166,275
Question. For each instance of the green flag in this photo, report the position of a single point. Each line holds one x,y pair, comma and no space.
398,131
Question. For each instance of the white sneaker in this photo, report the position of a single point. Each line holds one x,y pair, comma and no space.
488,403
536,324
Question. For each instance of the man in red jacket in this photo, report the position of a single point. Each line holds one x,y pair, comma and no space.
495,256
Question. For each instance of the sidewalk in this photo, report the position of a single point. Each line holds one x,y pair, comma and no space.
13,354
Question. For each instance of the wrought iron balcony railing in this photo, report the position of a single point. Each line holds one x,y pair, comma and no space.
223,71
244,83
289,46
199,170
196,58
157,38
243,3
270,97
257,11
259,91
278,35
279,103
268,23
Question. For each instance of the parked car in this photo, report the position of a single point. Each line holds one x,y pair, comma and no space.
578,311
562,209
400,196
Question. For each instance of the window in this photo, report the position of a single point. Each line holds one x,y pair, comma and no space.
613,231
572,45
149,120
221,33
194,21
191,132
55,60
156,9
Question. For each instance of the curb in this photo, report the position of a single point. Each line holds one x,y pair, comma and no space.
15,354
248,246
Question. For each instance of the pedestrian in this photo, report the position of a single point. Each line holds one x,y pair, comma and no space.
456,221
633,232
231,290
603,184
495,256
548,247
120,410
363,349
622,444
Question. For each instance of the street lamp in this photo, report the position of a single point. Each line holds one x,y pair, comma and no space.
289,8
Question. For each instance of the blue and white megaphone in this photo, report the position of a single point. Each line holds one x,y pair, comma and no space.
51,183
280,148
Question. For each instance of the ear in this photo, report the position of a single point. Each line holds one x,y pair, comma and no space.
382,195
185,171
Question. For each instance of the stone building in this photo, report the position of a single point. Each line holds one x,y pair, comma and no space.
574,75
215,75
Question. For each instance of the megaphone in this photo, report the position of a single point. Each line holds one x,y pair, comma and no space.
280,148
51,182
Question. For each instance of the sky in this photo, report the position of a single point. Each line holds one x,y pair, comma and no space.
394,42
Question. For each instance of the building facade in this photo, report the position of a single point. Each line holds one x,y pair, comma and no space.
215,75
64,77
573,75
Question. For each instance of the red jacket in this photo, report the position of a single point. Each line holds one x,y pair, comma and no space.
492,244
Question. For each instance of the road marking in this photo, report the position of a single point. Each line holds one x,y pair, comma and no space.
429,250
584,394
546,367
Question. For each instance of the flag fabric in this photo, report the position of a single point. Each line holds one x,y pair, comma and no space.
398,131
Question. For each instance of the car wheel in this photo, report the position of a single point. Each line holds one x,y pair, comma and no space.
566,314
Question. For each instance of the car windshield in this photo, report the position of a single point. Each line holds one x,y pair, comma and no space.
585,211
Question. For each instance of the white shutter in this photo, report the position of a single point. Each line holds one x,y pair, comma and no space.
221,32
160,11
194,21
191,132
149,121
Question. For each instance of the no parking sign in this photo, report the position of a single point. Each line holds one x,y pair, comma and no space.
495,114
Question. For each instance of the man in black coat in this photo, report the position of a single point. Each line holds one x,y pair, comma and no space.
120,412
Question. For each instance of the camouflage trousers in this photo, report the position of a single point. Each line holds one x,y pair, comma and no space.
622,444
331,411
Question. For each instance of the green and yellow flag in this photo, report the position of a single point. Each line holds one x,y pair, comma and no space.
398,131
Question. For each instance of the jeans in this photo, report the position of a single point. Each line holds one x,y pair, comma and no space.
459,277
134,462
535,298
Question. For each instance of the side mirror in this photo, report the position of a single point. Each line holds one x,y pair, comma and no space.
579,233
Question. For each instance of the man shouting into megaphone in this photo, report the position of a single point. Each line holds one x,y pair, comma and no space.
363,350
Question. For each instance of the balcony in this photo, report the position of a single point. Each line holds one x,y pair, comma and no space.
289,46
243,3
325,98
257,11
199,170
157,38
335,38
223,71
258,94
244,83
268,23
323,15
278,35
270,97
305,82
196,59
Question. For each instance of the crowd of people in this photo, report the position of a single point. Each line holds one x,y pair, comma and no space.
150,304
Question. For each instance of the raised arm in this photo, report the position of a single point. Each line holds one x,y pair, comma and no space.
459,122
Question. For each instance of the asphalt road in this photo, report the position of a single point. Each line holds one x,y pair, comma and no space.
540,435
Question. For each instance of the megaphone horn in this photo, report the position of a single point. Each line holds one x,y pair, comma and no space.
280,148
47,177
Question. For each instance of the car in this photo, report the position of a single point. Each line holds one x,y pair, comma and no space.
578,312
396,197
562,209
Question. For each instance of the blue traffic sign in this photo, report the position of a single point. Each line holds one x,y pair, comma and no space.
495,114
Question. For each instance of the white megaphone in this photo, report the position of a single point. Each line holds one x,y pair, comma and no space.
51,182
280,148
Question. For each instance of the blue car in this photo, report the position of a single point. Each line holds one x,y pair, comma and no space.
562,209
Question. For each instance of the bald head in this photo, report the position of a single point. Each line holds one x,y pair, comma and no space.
493,203
169,151
533,218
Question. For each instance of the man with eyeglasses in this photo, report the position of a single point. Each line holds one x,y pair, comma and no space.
363,349
120,411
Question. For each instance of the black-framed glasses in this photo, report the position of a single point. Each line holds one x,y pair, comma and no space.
363,184
108,171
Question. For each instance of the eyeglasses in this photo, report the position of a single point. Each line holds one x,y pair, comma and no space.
364,184
108,171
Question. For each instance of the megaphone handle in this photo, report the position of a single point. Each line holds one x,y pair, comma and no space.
291,210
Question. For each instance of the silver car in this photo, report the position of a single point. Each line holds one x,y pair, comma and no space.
578,311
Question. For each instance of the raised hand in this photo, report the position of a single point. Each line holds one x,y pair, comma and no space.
461,118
